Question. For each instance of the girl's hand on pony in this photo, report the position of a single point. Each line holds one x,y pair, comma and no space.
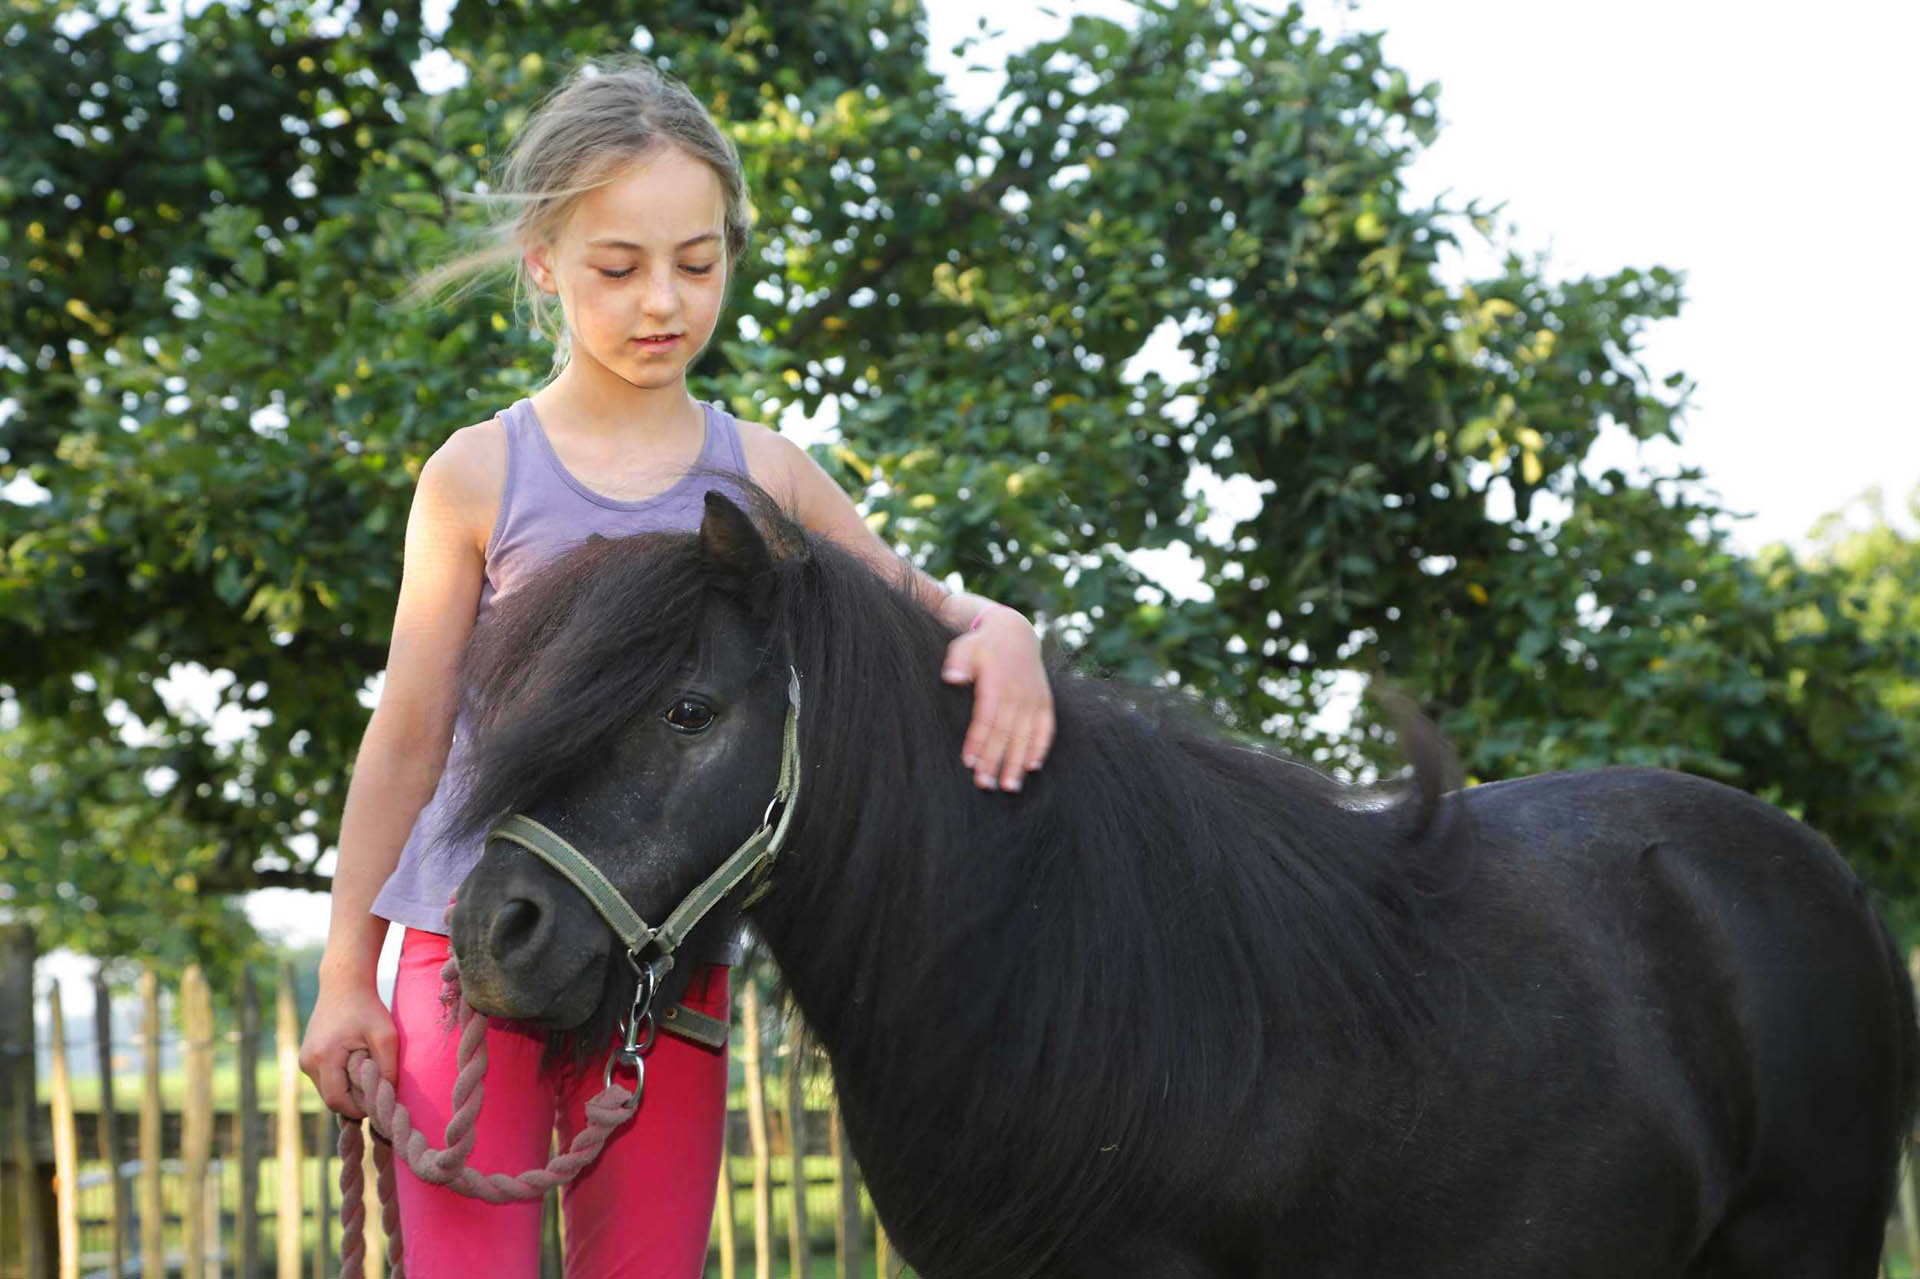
1012,705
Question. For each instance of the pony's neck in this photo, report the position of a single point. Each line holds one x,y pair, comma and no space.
884,799
972,961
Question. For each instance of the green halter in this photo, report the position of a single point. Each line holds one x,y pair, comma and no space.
752,858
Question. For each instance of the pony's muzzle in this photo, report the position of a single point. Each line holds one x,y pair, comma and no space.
521,956
516,927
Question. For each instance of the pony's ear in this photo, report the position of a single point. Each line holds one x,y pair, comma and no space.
730,543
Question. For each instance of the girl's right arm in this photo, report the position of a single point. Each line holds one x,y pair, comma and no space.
404,748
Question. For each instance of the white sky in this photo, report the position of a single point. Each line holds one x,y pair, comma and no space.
1769,157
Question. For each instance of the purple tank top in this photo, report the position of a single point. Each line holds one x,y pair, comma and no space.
543,511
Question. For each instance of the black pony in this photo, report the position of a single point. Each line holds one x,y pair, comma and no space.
1183,1008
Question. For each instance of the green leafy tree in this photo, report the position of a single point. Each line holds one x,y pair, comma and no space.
204,238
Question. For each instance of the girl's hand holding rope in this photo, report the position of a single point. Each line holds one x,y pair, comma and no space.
348,1017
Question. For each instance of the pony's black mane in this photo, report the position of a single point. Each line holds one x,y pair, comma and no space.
1157,914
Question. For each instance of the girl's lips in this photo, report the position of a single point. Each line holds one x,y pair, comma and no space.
656,344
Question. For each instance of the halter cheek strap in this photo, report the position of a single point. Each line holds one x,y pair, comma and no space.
750,859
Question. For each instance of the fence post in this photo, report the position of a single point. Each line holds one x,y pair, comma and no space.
799,1247
1909,1199
153,1260
288,1153
110,1144
196,1116
552,1249
214,1174
376,1264
66,1163
846,1226
22,1183
247,1138
326,1138
757,1133
723,1200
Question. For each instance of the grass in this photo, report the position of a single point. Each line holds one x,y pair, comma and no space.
96,1201
129,1084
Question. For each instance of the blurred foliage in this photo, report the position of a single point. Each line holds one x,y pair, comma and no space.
202,224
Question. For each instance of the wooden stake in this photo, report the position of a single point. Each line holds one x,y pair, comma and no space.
1909,1207
211,1270
723,1203
288,1152
799,1246
153,1258
326,1139
757,1133
27,1208
121,1206
66,1163
196,1118
376,1264
846,1182
247,1067
325,1147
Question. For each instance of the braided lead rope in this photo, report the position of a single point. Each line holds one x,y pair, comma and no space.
612,1107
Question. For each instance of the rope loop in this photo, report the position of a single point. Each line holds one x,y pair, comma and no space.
394,1130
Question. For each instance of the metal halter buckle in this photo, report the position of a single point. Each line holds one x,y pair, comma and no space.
633,1044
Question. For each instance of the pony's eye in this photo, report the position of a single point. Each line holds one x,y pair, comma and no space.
689,716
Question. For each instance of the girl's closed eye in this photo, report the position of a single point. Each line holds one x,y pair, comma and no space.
623,274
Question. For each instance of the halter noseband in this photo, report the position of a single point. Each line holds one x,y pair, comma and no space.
751,858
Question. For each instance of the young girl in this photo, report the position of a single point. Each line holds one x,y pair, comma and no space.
632,215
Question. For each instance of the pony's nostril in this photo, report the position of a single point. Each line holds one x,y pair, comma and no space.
513,926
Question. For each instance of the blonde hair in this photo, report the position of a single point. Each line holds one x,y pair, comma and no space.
608,113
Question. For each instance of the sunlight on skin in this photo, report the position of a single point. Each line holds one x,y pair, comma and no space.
642,257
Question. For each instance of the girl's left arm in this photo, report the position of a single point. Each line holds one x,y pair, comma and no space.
997,650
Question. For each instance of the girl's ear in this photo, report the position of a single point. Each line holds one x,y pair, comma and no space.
733,547
539,260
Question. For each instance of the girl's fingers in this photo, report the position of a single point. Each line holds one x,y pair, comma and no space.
994,766
1019,750
1012,725
982,730
1042,742
987,763
334,1093
1013,743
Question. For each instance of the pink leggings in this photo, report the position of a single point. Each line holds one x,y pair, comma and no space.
642,1210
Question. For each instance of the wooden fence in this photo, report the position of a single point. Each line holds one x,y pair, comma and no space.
203,1193
130,1186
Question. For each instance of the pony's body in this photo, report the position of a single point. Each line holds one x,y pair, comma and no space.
1657,997
1185,1009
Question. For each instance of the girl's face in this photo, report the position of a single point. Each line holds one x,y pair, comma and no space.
640,268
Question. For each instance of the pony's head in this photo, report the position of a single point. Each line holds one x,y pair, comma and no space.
631,701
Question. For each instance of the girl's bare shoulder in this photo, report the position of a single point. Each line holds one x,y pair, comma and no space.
462,482
771,459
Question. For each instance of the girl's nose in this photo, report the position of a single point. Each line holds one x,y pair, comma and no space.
657,294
